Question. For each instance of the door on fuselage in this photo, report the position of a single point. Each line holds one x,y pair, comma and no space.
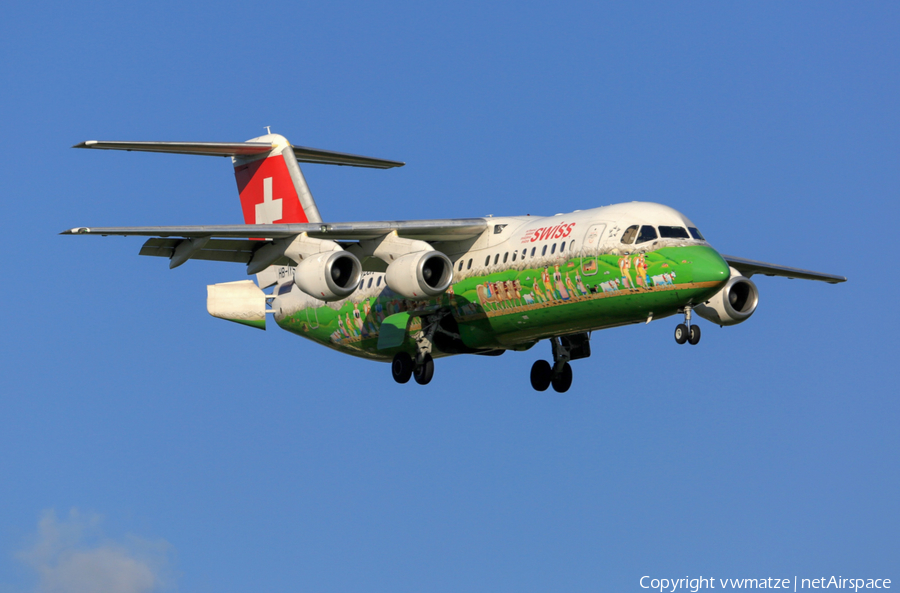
312,316
591,248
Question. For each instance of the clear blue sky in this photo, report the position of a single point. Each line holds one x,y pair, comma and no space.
164,449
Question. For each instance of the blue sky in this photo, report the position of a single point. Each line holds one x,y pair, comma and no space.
145,441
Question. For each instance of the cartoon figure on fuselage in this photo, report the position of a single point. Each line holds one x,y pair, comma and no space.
571,286
580,284
341,326
640,266
624,266
357,319
537,291
560,286
548,285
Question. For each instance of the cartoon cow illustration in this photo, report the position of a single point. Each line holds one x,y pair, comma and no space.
610,286
487,295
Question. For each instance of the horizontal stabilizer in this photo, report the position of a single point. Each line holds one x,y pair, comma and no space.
235,149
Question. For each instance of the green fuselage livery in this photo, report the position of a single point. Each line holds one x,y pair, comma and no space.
518,304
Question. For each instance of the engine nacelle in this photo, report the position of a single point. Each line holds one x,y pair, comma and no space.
328,276
734,304
420,275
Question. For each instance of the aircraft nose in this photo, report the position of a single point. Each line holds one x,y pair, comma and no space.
710,267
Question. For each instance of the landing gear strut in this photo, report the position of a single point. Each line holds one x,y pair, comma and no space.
565,348
685,332
420,368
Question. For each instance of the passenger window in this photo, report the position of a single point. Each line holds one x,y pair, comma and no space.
505,256
532,251
469,265
496,259
648,233
369,285
571,245
673,232
514,255
696,234
379,280
461,262
630,234
562,246
544,251
553,249
487,261
361,282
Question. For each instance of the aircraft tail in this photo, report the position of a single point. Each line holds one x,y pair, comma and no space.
271,186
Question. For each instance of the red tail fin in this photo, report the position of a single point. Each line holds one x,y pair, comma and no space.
267,192
271,186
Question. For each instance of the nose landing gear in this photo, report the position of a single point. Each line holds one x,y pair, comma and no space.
685,332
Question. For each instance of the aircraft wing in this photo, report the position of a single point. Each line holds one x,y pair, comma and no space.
426,230
748,267
238,243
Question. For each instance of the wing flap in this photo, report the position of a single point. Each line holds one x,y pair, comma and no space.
748,267
226,250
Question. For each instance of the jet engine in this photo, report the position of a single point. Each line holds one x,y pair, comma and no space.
734,304
420,275
328,276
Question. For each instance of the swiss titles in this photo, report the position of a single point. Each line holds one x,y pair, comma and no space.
560,231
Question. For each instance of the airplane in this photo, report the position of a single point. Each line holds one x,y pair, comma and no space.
409,292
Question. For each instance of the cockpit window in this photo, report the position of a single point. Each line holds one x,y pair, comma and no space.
673,232
630,234
696,234
648,233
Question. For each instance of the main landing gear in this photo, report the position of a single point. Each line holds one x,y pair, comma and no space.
685,332
420,368
403,368
565,348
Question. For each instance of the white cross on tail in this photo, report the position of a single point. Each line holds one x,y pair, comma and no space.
269,210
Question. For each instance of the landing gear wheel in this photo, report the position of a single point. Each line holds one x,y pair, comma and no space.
695,335
563,380
425,371
541,375
402,367
681,333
